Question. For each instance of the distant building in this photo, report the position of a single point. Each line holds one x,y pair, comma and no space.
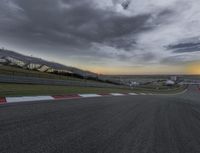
14,61
33,66
44,68
169,83
3,61
134,84
173,78
59,71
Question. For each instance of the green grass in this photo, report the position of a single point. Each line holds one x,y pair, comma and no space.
161,90
28,90
10,70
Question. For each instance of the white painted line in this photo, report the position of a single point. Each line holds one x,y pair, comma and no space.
133,94
26,99
89,95
142,94
117,94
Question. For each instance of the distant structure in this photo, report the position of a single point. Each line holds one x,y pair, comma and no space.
173,78
12,58
169,83
134,84
125,4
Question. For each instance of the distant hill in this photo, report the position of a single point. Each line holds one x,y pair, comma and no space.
11,56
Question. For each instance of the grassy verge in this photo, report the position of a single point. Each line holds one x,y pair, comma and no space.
171,90
15,71
28,90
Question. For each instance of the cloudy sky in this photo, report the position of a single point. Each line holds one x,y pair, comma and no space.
106,36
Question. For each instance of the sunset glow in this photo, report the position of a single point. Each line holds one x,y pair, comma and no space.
106,36
193,68
131,70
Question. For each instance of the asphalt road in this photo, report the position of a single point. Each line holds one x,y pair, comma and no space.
131,124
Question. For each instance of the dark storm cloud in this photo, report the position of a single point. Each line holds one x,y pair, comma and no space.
185,47
126,4
123,43
173,60
148,57
138,58
75,24
100,29
179,59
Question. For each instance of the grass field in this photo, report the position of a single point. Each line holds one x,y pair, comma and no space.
10,70
162,90
28,90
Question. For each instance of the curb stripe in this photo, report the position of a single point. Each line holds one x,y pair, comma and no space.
60,97
89,95
133,94
117,94
3,100
105,94
27,99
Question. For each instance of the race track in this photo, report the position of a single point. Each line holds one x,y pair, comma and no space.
127,124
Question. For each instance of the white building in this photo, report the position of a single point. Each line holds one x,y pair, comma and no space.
14,61
169,83
173,78
44,68
33,66
3,61
134,84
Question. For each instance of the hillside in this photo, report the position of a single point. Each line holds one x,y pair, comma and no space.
14,63
8,57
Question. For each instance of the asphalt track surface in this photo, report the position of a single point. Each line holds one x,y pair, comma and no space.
130,124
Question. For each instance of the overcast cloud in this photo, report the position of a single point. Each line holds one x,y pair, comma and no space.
103,31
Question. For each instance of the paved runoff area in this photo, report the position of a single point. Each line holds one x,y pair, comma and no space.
113,123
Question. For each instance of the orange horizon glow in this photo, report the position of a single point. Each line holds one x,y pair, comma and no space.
193,68
145,70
